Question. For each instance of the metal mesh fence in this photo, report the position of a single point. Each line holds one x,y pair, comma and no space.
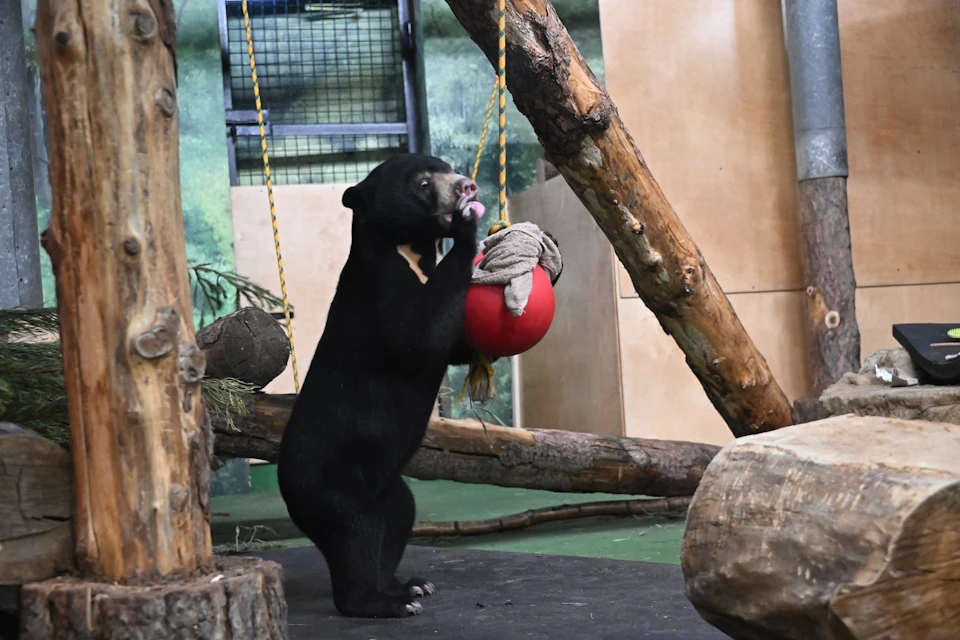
314,159
331,85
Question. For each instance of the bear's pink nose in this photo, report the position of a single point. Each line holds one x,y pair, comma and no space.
467,187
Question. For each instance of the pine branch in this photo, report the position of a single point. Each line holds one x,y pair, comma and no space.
32,392
212,289
28,322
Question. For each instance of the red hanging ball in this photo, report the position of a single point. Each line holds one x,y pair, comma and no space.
491,329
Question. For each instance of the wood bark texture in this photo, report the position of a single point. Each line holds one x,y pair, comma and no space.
833,336
239,599
846,528
36,505
546,459
140,438
249,345
584,137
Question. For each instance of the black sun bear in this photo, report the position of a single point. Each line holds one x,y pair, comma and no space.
393,328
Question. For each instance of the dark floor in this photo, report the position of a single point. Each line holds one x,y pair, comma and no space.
489,595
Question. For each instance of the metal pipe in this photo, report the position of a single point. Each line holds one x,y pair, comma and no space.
812,34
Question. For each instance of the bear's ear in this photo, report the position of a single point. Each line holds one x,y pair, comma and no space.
353,198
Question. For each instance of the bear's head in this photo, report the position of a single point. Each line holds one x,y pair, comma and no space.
413,196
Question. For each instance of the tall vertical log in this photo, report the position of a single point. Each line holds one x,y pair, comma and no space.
131,365
833,335
584,137
140,436
812,34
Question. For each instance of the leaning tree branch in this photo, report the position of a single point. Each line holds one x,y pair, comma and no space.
512,522
584,137
463,451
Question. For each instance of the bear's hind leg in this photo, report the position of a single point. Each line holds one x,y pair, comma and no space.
399,511
348,528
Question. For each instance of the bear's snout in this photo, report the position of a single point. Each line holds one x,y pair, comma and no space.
466,188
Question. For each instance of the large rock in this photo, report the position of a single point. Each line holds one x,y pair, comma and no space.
864,393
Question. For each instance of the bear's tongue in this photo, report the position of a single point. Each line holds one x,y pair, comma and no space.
475,208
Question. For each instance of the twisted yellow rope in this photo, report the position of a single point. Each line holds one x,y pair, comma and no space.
479,377
499,91
486,125
502,93
273,207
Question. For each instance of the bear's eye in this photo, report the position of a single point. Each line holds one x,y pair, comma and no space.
424,183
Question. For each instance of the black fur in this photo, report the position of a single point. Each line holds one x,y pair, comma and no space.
367,397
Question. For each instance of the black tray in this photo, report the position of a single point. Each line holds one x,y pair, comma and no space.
917,338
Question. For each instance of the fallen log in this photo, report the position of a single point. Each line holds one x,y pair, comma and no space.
248,345
515,521
584,137
461,450
36,504
846,528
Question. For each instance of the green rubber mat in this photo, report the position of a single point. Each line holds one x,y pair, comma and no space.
259,521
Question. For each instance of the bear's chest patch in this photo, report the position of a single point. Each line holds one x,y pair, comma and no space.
413,261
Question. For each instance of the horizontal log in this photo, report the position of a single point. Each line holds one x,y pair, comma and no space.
36,502
248,344
839,529
515,521
463,451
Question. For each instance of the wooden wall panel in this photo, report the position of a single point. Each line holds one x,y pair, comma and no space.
661,396
571,380
901,76
878,308
703,87
315,241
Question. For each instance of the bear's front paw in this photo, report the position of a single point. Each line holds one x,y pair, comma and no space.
554,280
466,218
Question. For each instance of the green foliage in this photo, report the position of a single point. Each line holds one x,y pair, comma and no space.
33,395
27,322
31,370
216,293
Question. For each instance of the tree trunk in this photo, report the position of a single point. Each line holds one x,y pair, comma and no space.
546,459
842,529
825,252
131,366
249,345
584,137
242,599
140,436
36,504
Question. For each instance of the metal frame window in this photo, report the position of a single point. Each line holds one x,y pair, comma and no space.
338,86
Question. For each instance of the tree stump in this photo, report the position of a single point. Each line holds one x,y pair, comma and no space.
239,599
249,345
843,529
